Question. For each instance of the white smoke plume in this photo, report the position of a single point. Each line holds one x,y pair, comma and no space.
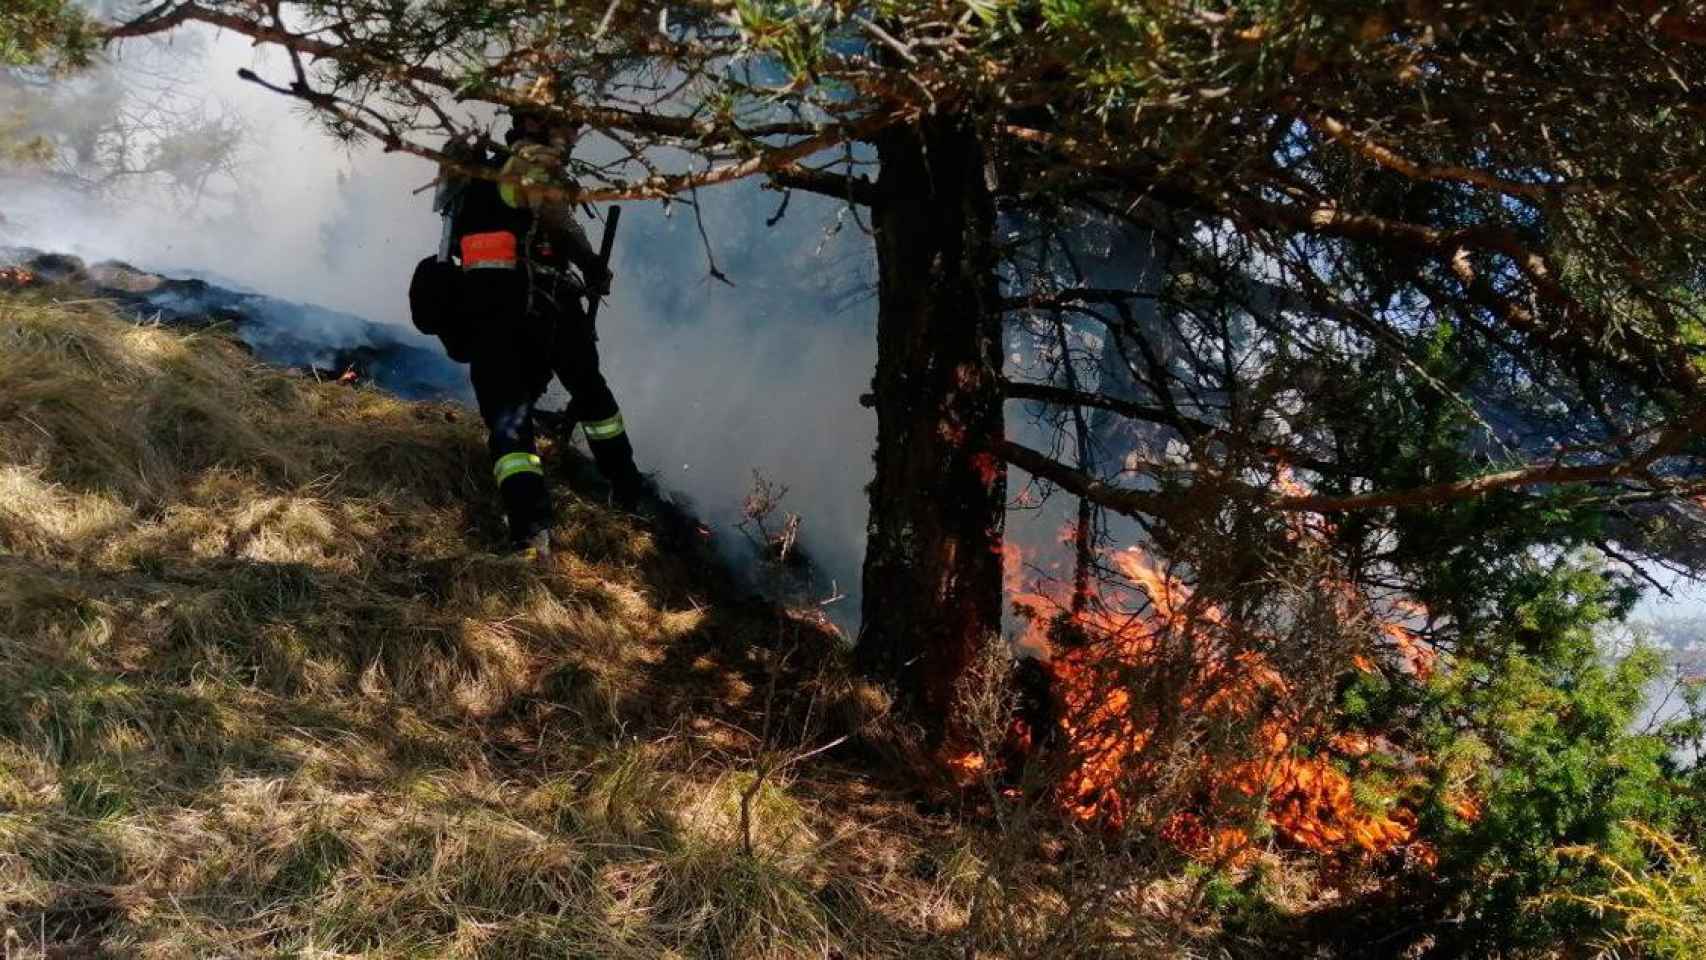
715,380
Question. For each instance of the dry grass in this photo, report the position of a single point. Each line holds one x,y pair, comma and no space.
264,691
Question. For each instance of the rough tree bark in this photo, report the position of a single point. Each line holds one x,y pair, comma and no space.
932,580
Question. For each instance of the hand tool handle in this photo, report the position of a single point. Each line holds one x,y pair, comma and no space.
611,219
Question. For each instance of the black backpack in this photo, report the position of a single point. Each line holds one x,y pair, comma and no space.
437,303
435,306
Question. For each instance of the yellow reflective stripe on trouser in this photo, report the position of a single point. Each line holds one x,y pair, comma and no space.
603,429
511,464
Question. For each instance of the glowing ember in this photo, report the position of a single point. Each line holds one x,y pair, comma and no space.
987,467
966,766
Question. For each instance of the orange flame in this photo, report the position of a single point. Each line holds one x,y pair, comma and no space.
1305,797
17,277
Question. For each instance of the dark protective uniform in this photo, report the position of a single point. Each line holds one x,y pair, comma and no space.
526,323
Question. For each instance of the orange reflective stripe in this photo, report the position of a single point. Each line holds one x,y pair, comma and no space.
497,248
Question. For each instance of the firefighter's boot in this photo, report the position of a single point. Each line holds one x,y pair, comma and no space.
520,479
614,454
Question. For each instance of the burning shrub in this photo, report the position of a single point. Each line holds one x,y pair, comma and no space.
1268,696
1216,722
17,277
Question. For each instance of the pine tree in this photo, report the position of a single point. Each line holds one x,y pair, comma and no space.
1358,196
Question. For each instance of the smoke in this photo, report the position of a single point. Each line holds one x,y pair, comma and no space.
715,380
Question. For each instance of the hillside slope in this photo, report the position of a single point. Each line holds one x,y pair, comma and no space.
265,691
281,332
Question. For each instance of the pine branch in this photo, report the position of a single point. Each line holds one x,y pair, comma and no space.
841,186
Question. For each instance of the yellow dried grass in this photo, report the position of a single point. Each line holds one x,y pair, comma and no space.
266,691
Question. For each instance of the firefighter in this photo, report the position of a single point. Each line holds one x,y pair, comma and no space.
515,238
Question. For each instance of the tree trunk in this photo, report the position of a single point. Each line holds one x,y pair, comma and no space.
932,591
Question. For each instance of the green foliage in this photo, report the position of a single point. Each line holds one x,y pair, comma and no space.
44,31
792,32
1245,902
1660,905
1534,726
36,33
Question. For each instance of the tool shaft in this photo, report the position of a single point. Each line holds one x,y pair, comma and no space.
611,219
